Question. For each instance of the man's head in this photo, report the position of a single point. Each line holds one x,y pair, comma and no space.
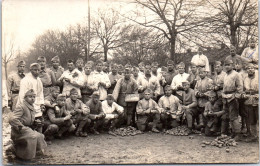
168,90
70,65
202,73
110,99
42,62
95,97
21,66
29,96
74,94
186,85
55,62
61,99
200,50
80,63
106,67
154,67
35,69
193,68
232,50
164,71
212,96
147,94
250,69
127,73
88,69
170,65
218,67
114,69
252,44
229,65
147,72
141,66
120,69
135,71
55,91
99,65
238,65
181,68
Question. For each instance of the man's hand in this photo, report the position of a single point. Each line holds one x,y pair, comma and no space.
43,109
185,107
102,84
154,111
78,110
115,116
67,117
38,122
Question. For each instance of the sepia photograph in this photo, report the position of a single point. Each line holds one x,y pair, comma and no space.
130,82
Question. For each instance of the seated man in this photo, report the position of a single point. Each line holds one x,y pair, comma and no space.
170,109
78,110
26,140
189,104
148,112
60,119
215,116
113,112
96,115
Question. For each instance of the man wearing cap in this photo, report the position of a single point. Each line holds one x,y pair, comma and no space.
13,84
32,81
113,77
171,110
203,85
124,87
56,68
100,81
159,77
147,111
193,75
234,57
71,78
78,110
215,115
250,95
170,73
218,78
97,114
179,78
59,119
46,75
200,60
113,112
189,104
86,89
251,53
232,90
26,140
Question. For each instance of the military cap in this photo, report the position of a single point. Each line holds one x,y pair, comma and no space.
181,64
61,96
193,64
200,49
114,65
55,59
120,66
164,68
70,61
185,82
170,62
128,65
110,96
98,62
249,65
90,63
41,58
141,64
202,70
80,60
155,64
87,65
73,91
232,47
135,68
20,63
167,87
55,88
211,94
30,93
148,90
229,61
127,69
35,64
218,63
95,94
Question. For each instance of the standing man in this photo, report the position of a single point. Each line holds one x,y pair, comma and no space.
86,90
218,78
56,68
100,81
113,77
13,84
46,75
71,78
201,60
234,57
80,65
193,75
232,89
159,77
125,86
251,102
251,53
170,73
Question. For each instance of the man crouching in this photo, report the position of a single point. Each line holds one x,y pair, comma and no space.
148,112
79,112
26,141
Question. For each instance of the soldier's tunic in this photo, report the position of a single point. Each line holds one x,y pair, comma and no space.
161,80
142,118
113,79
193,78
77,81
232,89
177,81
202,87
218,80
13,87
201,60
26,141
86,92
110,111
30,82
48,80
251,55
149,82
95,109
101,77
169,76
57,72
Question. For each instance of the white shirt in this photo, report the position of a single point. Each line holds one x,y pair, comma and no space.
30,82
108,110
152,83
250,53
178,79
201,60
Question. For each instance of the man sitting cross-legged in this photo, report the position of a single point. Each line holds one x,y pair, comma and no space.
79,112
148,112
113,112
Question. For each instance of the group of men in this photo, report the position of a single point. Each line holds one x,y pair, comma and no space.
95,96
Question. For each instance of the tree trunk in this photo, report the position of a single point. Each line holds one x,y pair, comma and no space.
5,71
172,51
233,36
105,52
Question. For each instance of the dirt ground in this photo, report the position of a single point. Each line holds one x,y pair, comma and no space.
147,148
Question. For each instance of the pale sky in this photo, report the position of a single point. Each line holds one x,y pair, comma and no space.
24,20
